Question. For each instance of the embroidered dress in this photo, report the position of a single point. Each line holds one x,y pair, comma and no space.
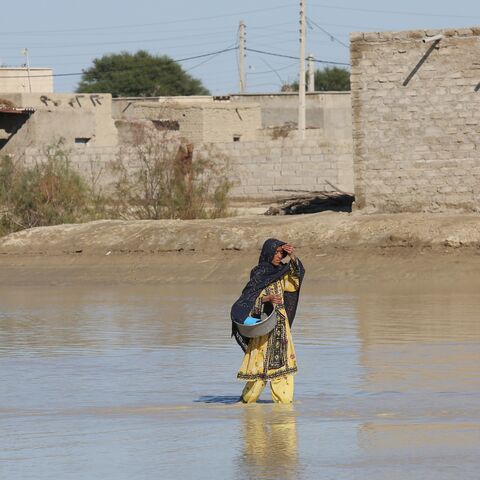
270,357
273,355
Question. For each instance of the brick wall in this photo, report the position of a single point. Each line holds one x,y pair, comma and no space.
416,120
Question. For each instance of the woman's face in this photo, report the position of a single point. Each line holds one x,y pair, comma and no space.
277,258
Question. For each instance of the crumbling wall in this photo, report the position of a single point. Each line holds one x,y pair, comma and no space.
416,121
44,128
205,121
61,115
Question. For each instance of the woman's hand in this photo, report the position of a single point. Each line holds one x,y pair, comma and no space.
289,249
276,299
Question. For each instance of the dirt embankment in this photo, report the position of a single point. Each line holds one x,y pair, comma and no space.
334,246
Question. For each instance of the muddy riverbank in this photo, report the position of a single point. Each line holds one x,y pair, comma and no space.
334,246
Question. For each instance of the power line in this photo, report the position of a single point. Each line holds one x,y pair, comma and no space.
121,42
228,49
290,65
191,31
263,52
393,12
162,39
231,47
275,71
53,57
97,53
342,25
171,22
310,21
125,69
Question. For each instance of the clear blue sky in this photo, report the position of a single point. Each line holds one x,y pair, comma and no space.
67,36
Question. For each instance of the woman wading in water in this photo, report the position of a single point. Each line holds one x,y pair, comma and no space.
276,280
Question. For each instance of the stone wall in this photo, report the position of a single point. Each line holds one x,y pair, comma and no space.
416,121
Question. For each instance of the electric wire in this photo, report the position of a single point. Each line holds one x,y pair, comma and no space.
170,22
195,57
332,37
125,69
294,58
233,46
394,12
290,65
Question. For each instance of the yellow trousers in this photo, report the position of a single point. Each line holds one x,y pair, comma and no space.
281,389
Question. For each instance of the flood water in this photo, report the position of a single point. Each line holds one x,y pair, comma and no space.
139,383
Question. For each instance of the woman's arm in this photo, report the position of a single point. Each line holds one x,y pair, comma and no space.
272,298
264,297
291,280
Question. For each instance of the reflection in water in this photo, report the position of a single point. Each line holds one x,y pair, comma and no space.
132,382
416,341
269,442
420,356
416,315
421,449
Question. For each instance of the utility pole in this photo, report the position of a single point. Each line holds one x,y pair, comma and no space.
242,55
311,73
301,75
27,64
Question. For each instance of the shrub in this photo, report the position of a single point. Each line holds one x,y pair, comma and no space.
48,193
159,177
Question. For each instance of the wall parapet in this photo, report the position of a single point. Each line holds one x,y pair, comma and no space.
405,35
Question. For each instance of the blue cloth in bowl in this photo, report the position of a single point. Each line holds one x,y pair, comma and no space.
251,321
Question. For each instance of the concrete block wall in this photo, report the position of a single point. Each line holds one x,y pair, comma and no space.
259,169
416,120
272,168
93,163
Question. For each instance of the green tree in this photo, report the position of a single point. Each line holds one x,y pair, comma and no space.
330,79
138,75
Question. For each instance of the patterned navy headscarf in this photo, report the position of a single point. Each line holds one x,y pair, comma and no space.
261,276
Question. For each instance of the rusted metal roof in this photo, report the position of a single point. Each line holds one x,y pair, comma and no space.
17,111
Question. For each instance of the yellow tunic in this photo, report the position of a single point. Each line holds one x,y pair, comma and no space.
273,355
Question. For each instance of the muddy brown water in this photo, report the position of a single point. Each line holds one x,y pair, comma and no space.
139,383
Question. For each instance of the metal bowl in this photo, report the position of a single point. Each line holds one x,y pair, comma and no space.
265,326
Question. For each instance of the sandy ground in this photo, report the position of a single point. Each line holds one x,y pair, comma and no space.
333,246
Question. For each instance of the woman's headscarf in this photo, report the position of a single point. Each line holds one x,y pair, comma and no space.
261,276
